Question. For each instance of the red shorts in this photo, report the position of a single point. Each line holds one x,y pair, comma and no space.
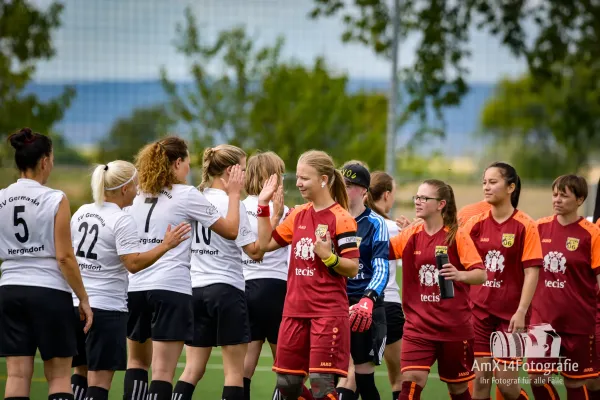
319,344
577,358
455,359
484,328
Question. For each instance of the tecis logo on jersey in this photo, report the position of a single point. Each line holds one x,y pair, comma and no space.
428,277
494,262
305,250
555,262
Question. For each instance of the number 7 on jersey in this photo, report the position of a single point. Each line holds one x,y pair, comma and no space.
153,201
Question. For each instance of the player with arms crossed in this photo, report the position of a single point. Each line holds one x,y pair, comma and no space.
220,312
315,331
106,242
160,296
509,243
436,329
566,293
365,290
266,279
380,198
39,270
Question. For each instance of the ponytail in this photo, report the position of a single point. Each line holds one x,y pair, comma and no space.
155,161
514,196
206,160
216,160
111,177
338,190
98,184
449,212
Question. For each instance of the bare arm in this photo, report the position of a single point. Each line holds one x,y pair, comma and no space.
347,267
67,262
265,235
471,277
529,286
253,251
64,250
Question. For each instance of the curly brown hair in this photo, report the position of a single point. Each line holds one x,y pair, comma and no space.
154,162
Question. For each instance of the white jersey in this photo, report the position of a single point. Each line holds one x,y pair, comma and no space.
215,259
274,264
100,236
152,214
27,212
391,293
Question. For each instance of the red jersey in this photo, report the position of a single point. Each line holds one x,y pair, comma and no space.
506,249
565,296
471,210
428,316
313,290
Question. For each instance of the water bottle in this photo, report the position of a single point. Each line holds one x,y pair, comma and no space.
446,287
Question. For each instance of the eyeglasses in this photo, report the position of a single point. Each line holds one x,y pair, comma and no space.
424,199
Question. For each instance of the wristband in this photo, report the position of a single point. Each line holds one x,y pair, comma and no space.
332,261
263,211
371,294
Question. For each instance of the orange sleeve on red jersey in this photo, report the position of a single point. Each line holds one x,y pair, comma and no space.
467,252
468,224
598,222
594,232
471,210
532,250
398,242
345,233
284,231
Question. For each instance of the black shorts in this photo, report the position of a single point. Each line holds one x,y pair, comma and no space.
104,347
34,318
369,346
160,315
395,321
265,298
220,316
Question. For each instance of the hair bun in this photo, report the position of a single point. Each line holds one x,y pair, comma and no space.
19,139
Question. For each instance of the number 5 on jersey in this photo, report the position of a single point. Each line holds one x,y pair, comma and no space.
20,221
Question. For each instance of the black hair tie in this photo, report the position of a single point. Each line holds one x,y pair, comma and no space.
106,167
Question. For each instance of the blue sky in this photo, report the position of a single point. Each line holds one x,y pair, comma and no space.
132,39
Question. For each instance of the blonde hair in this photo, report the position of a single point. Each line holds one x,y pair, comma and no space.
154,163
361,163
324,165
215,161
260,167
109,177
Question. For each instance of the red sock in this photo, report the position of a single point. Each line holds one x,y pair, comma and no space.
306,394
546,392
579,393
523,395
466,395
410,391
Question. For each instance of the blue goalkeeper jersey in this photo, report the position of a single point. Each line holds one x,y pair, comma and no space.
374,247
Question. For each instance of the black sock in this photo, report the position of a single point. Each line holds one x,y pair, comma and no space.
61,396
135,384
162,390
247,382
346,394
233,393
183,390
79,385
396,395
96,393
365,384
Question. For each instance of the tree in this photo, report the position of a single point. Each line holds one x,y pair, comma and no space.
567,36
544,128
128,135
218,106
299,108
25,38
